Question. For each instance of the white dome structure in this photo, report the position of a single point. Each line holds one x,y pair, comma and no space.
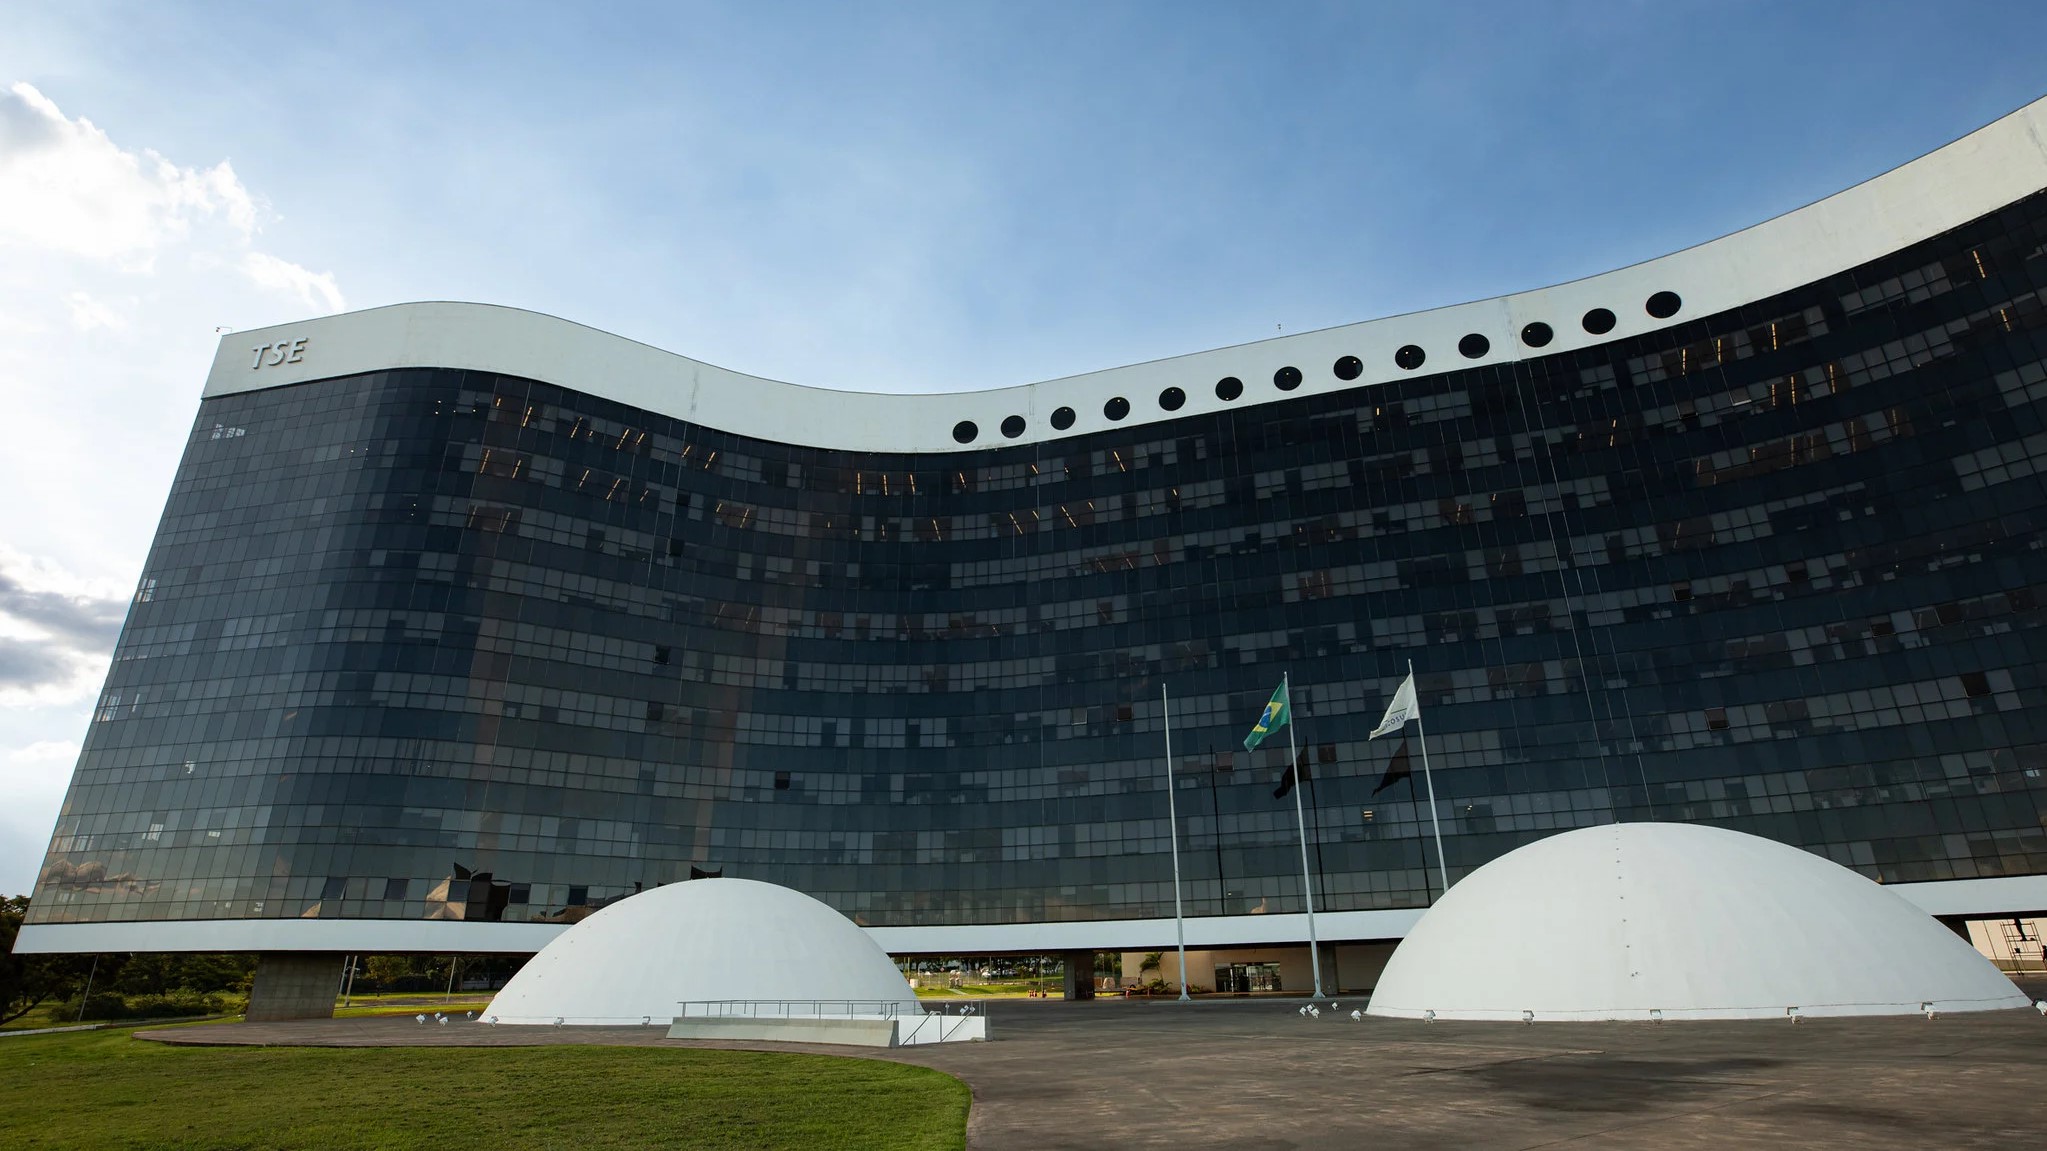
1678,921
706,940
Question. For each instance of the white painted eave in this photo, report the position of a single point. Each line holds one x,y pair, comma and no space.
2010,895
1978,174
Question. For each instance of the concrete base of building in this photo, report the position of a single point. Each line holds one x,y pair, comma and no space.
295,985
1080,974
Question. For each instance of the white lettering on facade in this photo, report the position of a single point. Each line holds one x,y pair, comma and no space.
281,352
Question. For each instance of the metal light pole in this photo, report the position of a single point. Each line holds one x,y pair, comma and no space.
1307,877
1173,829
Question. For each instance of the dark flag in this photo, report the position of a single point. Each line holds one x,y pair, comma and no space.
1395,771
1299,770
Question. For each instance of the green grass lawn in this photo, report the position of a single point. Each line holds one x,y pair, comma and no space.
103,1089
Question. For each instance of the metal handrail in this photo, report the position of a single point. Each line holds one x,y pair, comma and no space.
815,1009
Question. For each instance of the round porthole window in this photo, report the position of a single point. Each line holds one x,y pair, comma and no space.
1537,334
1349,368
965,431
1410,357
1062,418
1012,427
1473,346
1598,321
1663,305
1287,379
1117,408
1172,399
1228,388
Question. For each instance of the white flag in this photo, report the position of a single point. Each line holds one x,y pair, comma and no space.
1398,712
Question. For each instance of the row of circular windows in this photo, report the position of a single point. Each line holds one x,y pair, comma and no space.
1597,322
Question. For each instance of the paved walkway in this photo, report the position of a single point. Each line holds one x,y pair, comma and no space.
1260,1077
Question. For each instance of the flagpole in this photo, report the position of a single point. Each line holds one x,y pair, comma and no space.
1421,729
1307,880
1173,826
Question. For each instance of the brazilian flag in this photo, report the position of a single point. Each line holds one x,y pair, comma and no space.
1277,713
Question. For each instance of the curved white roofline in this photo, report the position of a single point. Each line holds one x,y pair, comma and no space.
1978,174
2002,896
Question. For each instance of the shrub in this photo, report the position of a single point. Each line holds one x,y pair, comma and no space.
173,1005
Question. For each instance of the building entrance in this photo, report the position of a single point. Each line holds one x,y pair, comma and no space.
1244,978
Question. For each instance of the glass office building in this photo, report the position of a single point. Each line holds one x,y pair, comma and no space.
461,622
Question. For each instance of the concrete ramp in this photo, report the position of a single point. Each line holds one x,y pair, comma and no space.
904,1031
787,1029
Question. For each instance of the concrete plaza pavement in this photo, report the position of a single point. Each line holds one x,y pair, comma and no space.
1257,1075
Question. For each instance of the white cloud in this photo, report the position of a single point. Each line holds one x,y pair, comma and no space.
88,313
315,289
66,187
57,632
61,751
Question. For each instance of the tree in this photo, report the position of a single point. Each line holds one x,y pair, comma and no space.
1152,960
27,981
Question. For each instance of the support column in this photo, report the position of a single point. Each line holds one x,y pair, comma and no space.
1080,974
1957,924
295,985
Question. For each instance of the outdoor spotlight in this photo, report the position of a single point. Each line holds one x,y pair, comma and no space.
1429,1016
1929,1012
1792,1013
1356,1015
420,1019
645,1020
493,1021
557,1021
1527,1016
1656,1015
2040,1005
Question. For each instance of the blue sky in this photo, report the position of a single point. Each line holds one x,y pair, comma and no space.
894,197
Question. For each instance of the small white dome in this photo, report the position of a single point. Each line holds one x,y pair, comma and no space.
1678,921
703,940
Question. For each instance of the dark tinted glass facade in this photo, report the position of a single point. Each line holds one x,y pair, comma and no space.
439,644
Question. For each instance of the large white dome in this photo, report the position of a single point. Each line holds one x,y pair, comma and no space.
1691,922
703,940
